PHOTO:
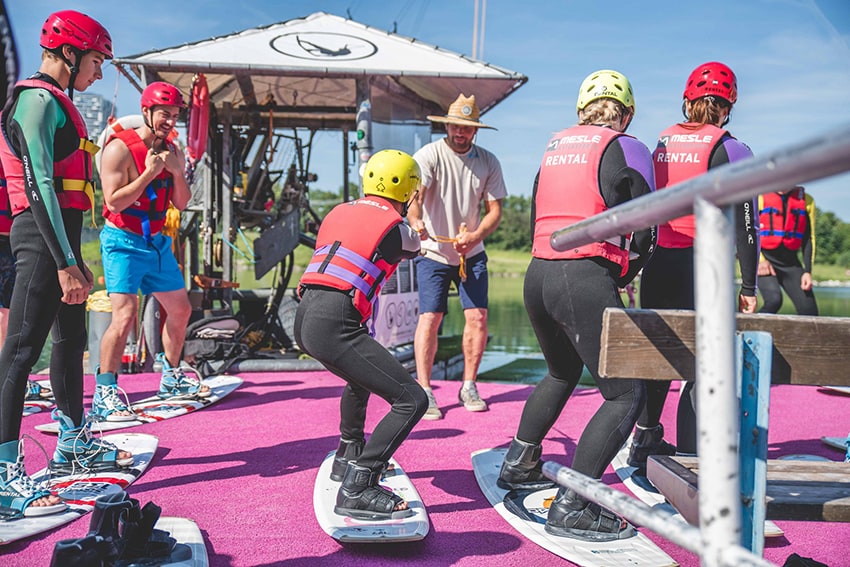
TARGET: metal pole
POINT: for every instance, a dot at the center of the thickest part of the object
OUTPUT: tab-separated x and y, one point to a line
660	521
717	403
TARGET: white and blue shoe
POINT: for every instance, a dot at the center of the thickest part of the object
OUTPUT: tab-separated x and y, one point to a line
17	489
175	383
107	404
79	451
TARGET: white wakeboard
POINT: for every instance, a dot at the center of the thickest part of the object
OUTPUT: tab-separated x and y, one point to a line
155	408
647	493
839	443
36	406
190	550
838	389
637	551
345	529
79	491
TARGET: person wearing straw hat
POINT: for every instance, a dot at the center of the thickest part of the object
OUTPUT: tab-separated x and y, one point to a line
460	181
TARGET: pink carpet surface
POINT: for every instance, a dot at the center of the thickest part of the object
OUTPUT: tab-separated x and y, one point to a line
244	470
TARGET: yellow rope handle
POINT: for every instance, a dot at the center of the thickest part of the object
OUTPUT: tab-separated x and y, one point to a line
445	240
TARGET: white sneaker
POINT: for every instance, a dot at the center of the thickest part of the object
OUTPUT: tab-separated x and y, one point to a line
433	412
471	400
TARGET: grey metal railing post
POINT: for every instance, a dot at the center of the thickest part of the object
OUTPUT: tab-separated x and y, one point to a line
717	418
720	500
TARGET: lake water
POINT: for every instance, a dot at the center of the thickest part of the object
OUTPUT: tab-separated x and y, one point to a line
513	351
513	342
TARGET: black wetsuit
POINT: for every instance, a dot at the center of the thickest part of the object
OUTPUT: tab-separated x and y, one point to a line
328	327
565	300
786	264
44	239
668	283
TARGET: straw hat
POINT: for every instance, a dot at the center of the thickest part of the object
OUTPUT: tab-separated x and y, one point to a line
463	112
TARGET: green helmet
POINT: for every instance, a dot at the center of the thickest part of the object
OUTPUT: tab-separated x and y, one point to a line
606	84
392	174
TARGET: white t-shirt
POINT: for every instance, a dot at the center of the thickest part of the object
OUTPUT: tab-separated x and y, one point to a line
454	188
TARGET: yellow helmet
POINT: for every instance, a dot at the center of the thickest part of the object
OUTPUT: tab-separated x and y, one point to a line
392	174
605	84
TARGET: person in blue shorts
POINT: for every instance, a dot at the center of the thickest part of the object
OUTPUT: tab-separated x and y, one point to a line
460	205
142	174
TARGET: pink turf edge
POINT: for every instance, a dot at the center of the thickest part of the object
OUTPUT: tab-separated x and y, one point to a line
244	470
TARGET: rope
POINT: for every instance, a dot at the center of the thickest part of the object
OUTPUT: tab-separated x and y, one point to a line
448	240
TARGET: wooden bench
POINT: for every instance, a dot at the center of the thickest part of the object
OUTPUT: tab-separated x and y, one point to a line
660	345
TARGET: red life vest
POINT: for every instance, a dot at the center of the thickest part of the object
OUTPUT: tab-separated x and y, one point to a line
345	250
682	153
146	216
5	206
568	192
72	175
783	219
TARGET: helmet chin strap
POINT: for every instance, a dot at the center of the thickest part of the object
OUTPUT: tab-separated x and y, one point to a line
72	67
153	130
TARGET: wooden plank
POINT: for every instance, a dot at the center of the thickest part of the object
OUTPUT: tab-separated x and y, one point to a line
796	490
660	345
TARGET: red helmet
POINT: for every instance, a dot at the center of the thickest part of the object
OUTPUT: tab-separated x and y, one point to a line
712	79
160	93
75	29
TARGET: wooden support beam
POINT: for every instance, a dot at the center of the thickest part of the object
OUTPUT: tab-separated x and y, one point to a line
796	490
660	345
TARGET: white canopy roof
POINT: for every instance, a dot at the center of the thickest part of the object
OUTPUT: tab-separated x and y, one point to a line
308	69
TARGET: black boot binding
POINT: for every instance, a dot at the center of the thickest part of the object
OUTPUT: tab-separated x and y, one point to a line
121	535
646	442
521	469
347	452
570	515
360	497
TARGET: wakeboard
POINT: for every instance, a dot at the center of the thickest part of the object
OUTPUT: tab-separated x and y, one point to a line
644	490
155	408
526	511
36	406
839	443
79	491
350	530
190	550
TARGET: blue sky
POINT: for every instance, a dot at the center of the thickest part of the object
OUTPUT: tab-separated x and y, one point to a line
792	59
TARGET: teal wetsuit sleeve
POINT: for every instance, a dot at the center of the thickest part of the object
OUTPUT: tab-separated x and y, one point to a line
32	130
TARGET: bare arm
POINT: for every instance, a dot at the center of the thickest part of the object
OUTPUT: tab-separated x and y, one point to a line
122	186
414	216
488	225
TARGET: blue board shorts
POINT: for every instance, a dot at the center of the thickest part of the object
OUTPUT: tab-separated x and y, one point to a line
130	264
434	279
7	272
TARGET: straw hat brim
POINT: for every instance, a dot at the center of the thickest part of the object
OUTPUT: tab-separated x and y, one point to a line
459	121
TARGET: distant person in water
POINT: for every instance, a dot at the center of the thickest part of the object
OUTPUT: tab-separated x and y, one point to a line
358	247
786	229
586	169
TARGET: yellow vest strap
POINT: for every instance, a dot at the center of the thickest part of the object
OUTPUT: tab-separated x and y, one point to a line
89	146
86	187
